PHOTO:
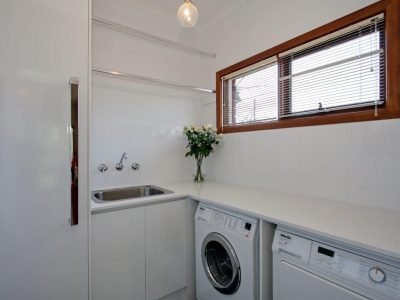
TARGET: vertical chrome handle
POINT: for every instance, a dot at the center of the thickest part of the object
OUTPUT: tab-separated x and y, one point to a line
74	84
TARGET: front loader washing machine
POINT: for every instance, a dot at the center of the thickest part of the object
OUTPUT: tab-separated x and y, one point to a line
226	255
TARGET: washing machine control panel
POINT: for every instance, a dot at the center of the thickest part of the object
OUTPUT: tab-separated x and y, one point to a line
234	224
292	246
355	269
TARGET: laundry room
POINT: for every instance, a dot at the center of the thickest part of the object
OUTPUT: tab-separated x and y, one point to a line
200	150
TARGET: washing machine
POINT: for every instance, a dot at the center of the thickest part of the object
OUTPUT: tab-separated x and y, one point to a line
226	255
306	267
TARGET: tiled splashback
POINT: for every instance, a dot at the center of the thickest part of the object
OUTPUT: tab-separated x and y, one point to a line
358	163
144	121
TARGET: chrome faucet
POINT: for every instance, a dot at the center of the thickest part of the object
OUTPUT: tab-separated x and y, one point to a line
120	165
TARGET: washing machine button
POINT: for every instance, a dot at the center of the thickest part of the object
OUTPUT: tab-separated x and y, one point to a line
377	275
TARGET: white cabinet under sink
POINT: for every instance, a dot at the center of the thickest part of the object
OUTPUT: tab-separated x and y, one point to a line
118	255
166	249
140	253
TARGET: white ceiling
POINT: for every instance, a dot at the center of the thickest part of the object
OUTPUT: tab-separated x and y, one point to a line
210	11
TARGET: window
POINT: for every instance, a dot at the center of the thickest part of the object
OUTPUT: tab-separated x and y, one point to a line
344	70
251	95
338	75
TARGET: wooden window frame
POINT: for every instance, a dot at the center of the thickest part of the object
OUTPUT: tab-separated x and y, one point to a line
391	109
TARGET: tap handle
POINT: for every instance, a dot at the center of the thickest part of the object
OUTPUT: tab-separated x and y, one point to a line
102	168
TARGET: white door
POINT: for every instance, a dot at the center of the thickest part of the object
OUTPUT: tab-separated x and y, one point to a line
295	283
166	249
42	44
118	255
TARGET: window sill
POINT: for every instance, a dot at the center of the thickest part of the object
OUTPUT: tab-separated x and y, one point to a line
315	120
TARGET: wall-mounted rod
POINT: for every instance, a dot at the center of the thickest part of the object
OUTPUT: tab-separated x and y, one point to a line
151	80
151	37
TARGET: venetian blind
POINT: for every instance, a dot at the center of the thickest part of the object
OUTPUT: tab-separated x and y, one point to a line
250	95
343	70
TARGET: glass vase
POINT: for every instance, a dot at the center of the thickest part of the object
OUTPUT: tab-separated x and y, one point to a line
199	177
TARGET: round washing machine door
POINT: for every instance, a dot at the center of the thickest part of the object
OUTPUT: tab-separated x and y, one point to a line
220	263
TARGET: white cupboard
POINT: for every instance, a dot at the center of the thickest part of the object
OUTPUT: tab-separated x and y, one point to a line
166	249
140	253
43	44
118	255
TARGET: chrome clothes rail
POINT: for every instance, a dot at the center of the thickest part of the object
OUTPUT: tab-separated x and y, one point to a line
151	80
150	37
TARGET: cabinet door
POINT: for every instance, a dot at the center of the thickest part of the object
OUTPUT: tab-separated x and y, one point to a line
118	255
166	249
43	43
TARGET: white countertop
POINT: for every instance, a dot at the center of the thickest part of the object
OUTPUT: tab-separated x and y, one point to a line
374	229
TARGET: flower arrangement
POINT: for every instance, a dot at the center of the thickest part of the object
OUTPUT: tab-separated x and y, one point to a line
200	144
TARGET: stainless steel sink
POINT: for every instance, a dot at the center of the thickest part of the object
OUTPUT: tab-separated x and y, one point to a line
128	193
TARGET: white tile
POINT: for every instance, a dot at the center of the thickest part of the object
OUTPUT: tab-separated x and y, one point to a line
358	162
118	51
374	163
147	123
283	167
266	159
324	161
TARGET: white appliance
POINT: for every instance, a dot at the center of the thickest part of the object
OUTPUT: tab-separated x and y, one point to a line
43	226
306	267
226	255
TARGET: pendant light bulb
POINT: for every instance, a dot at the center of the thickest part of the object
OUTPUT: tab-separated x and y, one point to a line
188	14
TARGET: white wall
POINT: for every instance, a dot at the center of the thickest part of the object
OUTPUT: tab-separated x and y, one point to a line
354	162
143	120
357	163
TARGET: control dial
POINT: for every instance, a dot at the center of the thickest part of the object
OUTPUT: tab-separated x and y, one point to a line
377	275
